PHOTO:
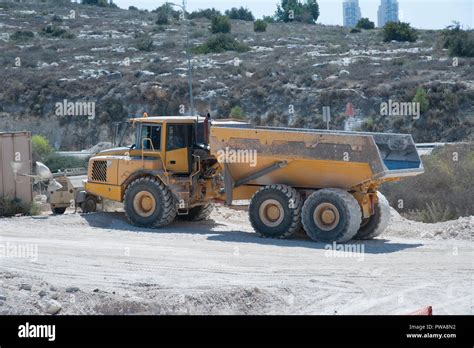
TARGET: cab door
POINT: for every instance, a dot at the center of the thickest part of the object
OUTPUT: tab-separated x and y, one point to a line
178	148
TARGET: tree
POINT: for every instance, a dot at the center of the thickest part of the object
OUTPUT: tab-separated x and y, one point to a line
313	8
208	13
40	148
294	10
166	10
365	23
268	19
422	98
102	3
220	24
237	112
260	26
162	19
240	13
459	42
399	31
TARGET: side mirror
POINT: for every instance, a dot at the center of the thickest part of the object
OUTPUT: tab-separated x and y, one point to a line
43	171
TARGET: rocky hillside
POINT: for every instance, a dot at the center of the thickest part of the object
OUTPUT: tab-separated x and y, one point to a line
127	64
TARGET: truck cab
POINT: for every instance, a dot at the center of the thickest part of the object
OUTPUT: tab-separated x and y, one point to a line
172	149
171	139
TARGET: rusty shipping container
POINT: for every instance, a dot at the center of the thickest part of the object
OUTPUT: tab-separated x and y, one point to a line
15	160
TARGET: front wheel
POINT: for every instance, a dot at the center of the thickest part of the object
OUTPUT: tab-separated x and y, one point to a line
331	215
149	203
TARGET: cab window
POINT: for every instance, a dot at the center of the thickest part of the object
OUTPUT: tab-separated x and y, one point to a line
150	135
178	136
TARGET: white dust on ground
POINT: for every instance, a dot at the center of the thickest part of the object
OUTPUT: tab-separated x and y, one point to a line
99	264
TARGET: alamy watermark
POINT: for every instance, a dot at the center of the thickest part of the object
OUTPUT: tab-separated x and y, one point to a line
229	155
28	330
345	251
394	108
67	108
19	250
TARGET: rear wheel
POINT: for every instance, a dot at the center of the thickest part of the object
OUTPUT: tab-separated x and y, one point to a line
149	203
375	225
331	215
275	211
58	211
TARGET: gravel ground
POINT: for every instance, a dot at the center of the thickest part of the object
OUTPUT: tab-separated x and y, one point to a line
98	264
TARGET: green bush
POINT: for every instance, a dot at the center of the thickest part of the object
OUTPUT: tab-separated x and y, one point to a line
294	10
167	10
443	192
422	98
162	19
208	13
220	43
56	162
35	209
40	148
53	31
355	30
268	19
399	31
57	19
237	112
144	43
220	24
132	8
11	207
365	23
101	3
8	207
432	213
240	13
22	35
260	26
459	42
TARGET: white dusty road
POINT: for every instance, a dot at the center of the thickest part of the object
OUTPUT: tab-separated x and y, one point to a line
98	264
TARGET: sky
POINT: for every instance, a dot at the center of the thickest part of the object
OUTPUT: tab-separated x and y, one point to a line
423	14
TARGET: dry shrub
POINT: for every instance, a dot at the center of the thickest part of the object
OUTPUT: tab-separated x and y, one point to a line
444	192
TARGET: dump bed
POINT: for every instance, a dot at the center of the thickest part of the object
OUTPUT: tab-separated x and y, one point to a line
313	158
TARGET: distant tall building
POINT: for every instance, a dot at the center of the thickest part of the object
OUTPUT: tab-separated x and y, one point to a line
351	12
388	12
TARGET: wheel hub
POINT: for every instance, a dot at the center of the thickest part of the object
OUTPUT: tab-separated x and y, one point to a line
326	216
271	213
144	203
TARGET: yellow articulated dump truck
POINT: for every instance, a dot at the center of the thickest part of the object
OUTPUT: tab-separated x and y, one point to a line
323	182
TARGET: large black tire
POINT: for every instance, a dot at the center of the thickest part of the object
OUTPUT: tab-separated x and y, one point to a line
375	225
58	211
149	203
275	211
331	215
198	213
89	205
